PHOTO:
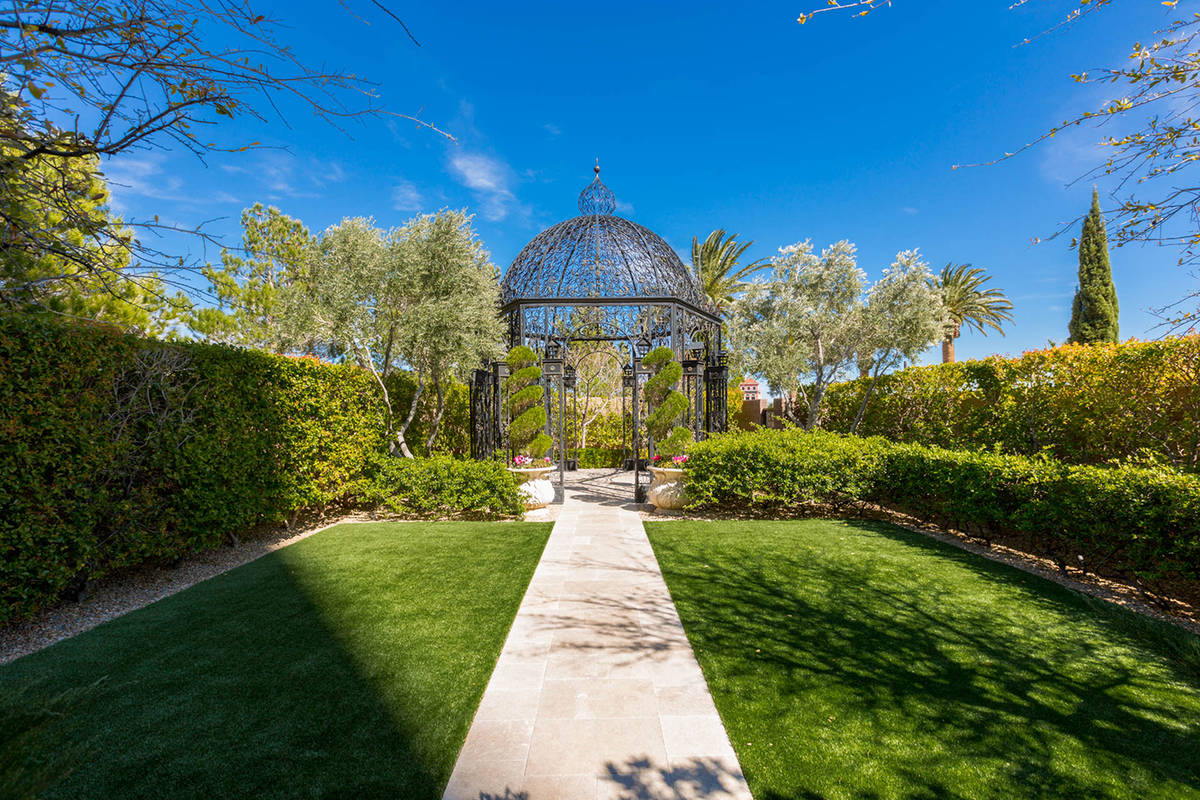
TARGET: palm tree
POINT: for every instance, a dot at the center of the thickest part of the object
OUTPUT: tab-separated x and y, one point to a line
715	264
968	303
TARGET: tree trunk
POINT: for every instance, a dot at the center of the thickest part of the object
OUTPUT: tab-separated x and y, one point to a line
401	441
387	352
387	400
948	350
437	419
814	406
862	407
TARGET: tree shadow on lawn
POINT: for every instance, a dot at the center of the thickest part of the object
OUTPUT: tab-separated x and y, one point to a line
268	681
870	661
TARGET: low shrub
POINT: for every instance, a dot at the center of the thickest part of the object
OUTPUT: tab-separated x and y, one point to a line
440	486
1133	522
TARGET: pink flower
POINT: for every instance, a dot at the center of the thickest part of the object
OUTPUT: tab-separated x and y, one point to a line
679	460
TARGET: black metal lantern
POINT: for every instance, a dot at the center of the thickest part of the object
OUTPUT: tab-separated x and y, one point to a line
568	377
641	348
627	376
552	364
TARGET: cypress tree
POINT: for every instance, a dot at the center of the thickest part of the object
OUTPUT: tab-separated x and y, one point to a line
1094	314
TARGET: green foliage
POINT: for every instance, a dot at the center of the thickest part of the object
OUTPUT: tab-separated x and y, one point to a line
1082	404
715	263
121	450
65	253
968	303
440	486
600	457
803	326
667	405
422	296
1095	314
250	290
1128	521
524	404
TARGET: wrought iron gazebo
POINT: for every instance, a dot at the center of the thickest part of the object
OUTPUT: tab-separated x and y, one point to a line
601	277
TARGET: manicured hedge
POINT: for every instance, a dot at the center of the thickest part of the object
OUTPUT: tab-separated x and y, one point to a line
1132	522
440	486
1085	404
117	450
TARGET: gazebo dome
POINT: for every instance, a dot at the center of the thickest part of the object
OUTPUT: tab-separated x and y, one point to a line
599	255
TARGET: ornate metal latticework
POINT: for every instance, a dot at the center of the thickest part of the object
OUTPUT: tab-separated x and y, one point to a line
599	276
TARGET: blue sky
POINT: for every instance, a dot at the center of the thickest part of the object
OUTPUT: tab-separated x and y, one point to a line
703	116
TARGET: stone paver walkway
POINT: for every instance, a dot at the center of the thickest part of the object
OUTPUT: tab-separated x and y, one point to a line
597	693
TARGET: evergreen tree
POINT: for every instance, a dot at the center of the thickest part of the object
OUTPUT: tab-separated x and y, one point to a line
1094	314
249	289
73	262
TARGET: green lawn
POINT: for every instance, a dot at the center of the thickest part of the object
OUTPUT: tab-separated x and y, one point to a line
859	660
346	665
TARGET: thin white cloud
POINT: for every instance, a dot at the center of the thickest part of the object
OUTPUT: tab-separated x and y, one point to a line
552	129
909	210
625	208
276	171
149	175
323	173
1071	156
490	179
142	175
406	197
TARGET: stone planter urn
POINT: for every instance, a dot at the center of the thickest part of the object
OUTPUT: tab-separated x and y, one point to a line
534	487
669	488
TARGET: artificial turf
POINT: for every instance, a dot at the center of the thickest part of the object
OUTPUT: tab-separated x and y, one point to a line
347	665
860	660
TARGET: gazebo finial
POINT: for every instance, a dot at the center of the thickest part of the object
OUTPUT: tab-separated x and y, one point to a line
596	198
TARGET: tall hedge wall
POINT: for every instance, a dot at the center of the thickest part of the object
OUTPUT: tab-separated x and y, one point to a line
1140	523
1084	404
117	450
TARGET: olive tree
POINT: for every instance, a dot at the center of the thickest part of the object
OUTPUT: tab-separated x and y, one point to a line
421	297
801	327
903	316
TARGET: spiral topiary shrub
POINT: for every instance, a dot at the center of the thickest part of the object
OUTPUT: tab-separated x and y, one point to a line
667	404
524	404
